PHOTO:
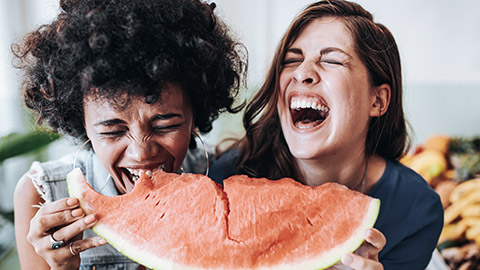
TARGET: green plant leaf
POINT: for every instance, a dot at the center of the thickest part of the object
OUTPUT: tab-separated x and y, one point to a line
16	144
8	216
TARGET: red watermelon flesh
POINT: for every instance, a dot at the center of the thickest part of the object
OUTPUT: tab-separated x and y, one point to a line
188	221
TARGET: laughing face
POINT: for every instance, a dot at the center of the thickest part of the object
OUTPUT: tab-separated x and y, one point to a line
325	100
140	137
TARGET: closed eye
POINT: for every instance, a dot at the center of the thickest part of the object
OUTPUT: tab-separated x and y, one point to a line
113	133
291	61
165	129
332	62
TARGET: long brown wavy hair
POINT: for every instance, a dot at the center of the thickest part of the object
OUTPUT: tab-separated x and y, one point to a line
264	151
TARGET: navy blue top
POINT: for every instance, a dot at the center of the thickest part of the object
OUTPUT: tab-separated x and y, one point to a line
411	214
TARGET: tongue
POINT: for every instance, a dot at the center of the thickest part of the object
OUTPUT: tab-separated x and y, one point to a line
307	118
307	123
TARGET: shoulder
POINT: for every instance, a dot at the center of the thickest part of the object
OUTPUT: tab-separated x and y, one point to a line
411	215
416	196
224	166
25	193
407	194
49	177
401	183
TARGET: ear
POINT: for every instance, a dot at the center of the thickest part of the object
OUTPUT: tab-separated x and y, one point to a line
381	100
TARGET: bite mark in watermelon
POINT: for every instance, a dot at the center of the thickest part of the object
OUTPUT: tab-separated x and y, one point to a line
188	221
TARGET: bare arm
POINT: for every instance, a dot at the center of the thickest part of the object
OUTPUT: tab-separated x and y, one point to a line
25	197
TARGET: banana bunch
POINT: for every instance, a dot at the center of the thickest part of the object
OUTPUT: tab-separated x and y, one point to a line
447	163
462	216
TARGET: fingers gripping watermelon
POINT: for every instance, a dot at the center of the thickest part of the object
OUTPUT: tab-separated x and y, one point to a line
189	222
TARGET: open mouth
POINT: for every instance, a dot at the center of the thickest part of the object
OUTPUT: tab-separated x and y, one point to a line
134	174
307	112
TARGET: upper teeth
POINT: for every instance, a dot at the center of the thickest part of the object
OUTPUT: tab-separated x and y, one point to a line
138	172
303	102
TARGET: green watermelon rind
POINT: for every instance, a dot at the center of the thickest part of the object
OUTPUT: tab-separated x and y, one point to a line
352	244
75	188
143	257
152	261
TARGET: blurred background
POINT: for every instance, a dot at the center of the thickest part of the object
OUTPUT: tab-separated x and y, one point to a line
438	42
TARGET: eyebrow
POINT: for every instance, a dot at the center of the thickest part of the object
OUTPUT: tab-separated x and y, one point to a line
322	51
334	49
294	50
165	116
116	121
110	122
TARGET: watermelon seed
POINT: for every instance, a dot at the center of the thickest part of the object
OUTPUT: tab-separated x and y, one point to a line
146	197
309	221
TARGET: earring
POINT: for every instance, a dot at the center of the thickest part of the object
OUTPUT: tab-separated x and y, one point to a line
78	152
205	151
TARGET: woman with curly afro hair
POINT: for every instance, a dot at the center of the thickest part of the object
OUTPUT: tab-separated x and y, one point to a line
132	79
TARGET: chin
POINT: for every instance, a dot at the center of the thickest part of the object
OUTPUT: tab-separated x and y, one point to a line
304	153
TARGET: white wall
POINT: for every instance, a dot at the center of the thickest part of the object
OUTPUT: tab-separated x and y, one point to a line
16	18
439	43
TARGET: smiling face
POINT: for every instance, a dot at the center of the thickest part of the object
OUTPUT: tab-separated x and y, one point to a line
139	136
325	100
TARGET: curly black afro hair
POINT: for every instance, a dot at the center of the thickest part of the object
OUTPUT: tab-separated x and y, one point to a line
107	46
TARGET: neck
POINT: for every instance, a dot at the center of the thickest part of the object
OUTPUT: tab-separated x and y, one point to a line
351	171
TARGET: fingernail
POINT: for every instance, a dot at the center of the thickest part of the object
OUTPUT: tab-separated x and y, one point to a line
102	241
72	201
368	233
90	219
347	259
77	212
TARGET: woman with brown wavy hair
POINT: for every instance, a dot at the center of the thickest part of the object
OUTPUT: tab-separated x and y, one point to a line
330	109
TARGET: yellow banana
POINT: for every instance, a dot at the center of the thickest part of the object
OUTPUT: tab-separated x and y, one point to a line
454	210
464	188
472	232
452	231
472	210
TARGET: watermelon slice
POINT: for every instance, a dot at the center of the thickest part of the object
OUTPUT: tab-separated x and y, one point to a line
188	221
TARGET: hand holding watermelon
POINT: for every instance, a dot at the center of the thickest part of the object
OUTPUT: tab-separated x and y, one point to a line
56	233
366	256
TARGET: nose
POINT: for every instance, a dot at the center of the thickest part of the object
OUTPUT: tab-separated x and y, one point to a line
141	150
306	73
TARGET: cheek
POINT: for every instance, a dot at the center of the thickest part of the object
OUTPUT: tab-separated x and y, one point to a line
177	145
283	83
107	152
346	94
282	104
